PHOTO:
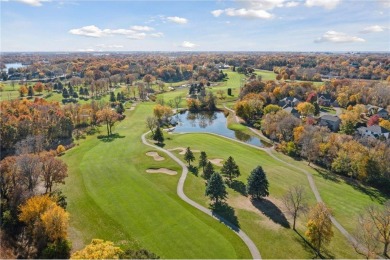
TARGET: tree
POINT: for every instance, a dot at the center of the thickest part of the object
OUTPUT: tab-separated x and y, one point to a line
158	135
53	171
148	79
342	99
367	237
230	169
151	123
295	202
189	156
55	223
319	226
30	91
108	116
215	188
112	97
208	170
38	87
374	120
98	249
271	108
381	220
65	93
257	185
317	108
120	109
60	149
203	160
23	91
177	100
306	108
385	124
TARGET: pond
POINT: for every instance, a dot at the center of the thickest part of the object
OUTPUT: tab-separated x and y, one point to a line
15	65
215	122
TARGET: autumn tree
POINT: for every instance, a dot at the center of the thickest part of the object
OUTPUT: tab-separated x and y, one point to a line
189	156
148	79
60	149
203	160
98	249
295	202
109	117
381	220
230	169
271	108
257	185
367	237
306	108
23	91
177	101
342	99
38	87
319	226
151	123
53	171
215	188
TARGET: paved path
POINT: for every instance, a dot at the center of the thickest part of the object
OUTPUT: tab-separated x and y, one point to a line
309	178
252	247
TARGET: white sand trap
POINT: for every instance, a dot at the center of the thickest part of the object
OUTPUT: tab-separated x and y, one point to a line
183	150
132	108
162	170
217	162
155	156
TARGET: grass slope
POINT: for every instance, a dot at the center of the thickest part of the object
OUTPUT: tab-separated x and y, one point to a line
111	197
266	225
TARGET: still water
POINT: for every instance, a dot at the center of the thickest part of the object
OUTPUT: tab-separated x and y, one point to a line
210	122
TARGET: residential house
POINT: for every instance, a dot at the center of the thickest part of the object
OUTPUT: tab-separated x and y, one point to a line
292	111
324	100
375	110
374	131
289	102
332	122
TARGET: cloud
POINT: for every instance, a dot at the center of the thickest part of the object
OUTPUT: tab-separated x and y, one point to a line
29	2
384	3
112	46
327	4
188	45
157	35
374	29
264	4
86	50
176	19
291	4
93	31
338	37
142	28
243	12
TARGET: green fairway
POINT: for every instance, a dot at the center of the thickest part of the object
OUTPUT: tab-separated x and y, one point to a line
272	239
110	196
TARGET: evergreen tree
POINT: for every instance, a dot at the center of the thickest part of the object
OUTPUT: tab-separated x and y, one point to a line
158	135
119	97
317	109
60	86
189	156
71	90
257	185
203	160
215	188
230	169
86	93
112	97
30	91
208	171
75	95
65	93
120	109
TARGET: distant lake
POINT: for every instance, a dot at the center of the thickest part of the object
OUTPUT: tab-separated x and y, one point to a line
210	122
15	65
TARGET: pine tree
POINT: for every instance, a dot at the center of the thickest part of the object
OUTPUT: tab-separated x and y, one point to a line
208	171
30	91
65	93
215	188
203	160
230	169
158	135
112	97
120	109
257	185
189	156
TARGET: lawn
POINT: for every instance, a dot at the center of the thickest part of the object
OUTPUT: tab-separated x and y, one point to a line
110	196
267	225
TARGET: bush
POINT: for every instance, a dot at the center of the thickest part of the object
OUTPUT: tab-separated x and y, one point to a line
60	149
58	250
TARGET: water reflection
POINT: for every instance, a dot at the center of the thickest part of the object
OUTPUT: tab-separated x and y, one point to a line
210	122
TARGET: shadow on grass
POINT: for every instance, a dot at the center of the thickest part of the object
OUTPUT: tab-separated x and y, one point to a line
373	193
105	138
327	175
194	170
225	214
270	210
239	186
160	145
325	254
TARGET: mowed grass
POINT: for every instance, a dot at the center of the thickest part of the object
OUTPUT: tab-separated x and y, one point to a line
110	196
266	227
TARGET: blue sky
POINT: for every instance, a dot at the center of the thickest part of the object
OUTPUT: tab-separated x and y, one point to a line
258	25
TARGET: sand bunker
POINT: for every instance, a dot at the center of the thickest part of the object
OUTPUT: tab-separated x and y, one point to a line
183	150
155	156
162	170
132	108
217	162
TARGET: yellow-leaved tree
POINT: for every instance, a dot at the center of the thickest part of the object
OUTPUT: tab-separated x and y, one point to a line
319	226
98	249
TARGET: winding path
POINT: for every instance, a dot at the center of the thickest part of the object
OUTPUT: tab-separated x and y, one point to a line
309	178
180	186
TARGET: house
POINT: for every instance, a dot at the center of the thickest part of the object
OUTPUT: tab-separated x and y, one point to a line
374	131
375	110
332	122
292	111
324	100
289	102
